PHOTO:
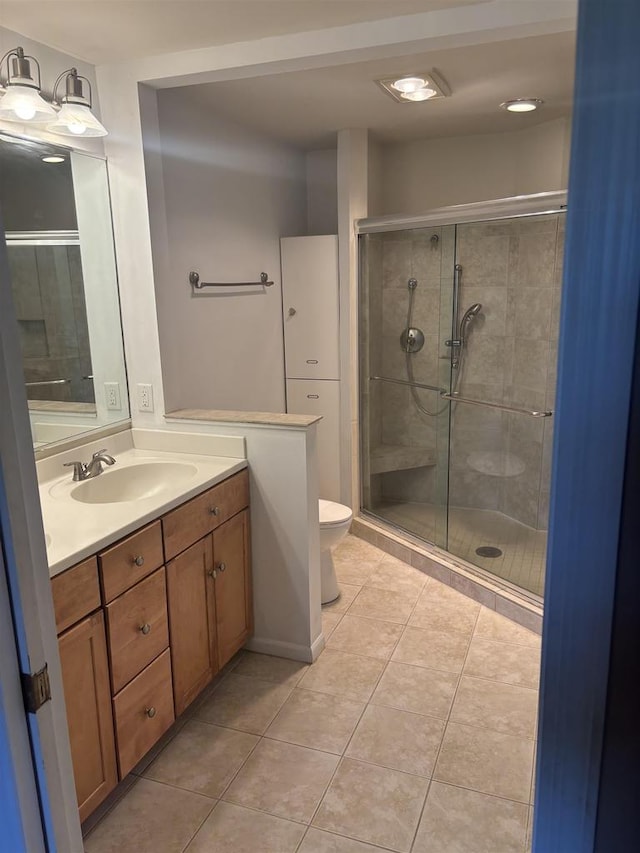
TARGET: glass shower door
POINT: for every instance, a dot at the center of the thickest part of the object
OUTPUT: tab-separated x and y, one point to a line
406	293
500	458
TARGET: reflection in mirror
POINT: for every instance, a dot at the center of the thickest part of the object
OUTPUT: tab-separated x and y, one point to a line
57	220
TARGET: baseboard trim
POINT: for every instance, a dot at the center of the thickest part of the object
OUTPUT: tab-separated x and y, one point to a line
292	651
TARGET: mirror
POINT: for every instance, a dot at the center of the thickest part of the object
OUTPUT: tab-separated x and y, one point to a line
57	220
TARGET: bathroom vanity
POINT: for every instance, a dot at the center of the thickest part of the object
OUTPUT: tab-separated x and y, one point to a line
145	623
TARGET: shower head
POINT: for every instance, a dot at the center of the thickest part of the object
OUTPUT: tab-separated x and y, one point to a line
470	314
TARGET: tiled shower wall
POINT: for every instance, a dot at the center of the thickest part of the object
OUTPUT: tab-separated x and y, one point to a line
498	461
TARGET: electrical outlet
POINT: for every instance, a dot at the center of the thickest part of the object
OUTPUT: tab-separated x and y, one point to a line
145	398
112	395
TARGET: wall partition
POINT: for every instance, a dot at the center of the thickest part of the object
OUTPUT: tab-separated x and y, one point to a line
459	315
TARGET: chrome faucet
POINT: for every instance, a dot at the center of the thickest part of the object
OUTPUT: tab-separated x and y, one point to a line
87	470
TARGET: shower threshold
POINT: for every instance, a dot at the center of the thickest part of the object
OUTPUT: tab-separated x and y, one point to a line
476	582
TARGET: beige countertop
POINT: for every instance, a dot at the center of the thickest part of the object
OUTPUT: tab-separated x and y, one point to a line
227	416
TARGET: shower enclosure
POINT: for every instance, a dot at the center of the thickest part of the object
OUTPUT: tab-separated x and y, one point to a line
459	316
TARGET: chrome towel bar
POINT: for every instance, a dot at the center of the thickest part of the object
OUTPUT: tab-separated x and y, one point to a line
532	413
194	279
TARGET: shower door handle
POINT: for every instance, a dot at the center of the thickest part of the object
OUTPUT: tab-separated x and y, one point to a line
532	413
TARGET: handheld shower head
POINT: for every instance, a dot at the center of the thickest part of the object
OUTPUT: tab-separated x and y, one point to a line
469	315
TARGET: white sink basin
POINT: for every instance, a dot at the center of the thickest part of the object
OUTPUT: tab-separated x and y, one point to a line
134	482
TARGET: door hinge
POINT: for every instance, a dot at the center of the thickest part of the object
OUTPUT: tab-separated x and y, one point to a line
36	689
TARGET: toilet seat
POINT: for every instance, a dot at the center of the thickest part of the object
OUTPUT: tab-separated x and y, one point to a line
333	514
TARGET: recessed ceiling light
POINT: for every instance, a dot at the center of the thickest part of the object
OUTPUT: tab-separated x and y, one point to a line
522	105
412	88
423	94
53	158
409	84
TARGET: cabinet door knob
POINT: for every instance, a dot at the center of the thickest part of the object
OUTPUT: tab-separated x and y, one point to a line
150	712
144	629
139	560
222	567
292	312
211	573
214	510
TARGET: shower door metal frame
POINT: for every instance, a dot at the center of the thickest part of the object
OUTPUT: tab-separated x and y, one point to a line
515	207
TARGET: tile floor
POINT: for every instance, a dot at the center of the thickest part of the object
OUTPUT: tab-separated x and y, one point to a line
414	732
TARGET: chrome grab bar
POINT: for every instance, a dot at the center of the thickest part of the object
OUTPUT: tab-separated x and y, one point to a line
48	382
194	279
531	413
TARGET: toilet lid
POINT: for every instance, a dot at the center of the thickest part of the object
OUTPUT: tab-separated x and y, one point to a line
333	513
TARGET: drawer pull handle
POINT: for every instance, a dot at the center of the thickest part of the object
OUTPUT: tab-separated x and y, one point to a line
139	560
313	396
150	712
222	567
145	629
214	510
312	361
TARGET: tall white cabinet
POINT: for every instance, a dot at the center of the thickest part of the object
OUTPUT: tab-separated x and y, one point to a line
310	294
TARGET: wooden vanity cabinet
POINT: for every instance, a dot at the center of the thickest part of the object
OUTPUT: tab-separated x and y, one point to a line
85	678
145	625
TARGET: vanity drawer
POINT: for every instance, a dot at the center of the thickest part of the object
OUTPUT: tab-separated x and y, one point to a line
138	628
132	559
199	516
76	593
143	712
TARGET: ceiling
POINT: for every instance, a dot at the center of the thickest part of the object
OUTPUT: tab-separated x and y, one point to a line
105	31
306	108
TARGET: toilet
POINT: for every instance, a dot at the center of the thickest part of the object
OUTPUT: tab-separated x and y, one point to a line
334	525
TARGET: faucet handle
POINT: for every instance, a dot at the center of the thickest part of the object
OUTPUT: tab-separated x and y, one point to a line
99	453
78	469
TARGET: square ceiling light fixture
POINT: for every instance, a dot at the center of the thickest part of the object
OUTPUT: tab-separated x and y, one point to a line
414	88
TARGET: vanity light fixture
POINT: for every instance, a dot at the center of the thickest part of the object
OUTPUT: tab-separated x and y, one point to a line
412	88
22	100
53	158
522	105
75	117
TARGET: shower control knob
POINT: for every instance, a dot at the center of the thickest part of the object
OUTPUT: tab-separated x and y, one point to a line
292	312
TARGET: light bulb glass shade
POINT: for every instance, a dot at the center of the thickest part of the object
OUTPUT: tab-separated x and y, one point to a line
409	84
419	95
522	105
76	120
23	103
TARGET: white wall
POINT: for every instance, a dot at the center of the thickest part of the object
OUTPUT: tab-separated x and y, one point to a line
322	191
230	195
426	173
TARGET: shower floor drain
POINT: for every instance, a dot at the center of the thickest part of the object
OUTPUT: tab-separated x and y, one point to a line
488	551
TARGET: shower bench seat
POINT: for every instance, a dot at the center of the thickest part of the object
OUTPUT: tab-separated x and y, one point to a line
400	457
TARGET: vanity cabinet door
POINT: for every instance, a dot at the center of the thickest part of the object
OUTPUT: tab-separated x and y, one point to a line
192	621
234	606
85	676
